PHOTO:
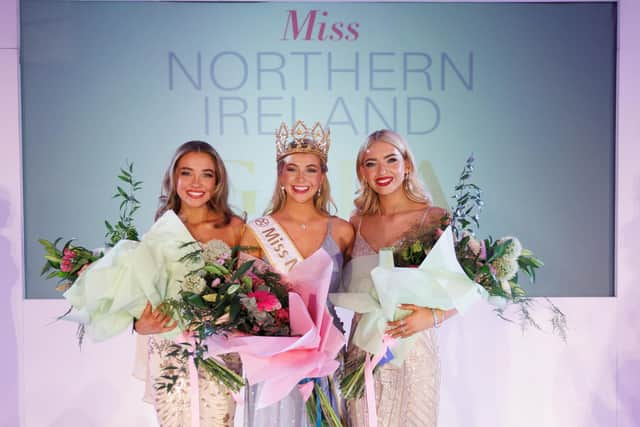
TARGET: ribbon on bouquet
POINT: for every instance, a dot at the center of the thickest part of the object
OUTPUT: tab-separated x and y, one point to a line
370	362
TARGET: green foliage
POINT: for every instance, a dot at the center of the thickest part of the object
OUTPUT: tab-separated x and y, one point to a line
124	228
469	203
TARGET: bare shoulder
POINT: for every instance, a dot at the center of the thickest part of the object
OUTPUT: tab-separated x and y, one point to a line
342	226
237	222
342	232
436	212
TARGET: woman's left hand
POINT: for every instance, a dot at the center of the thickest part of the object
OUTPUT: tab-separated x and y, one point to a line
419	320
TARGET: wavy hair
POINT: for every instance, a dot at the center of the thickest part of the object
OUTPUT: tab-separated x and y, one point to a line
219	201
367	201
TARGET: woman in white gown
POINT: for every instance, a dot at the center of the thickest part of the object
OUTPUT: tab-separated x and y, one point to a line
196	188
390	203
299	216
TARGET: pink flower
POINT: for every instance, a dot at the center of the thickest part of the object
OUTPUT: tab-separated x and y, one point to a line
65	266
67	256
483	250
266	301
215	282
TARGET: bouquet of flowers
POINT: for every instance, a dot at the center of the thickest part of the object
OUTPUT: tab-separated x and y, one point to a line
70	261
492	264
497	264
66	263
224	295
378	286
235	303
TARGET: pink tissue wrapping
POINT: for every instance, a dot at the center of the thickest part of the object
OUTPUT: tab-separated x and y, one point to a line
280	363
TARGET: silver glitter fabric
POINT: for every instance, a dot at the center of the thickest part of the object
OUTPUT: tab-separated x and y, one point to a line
217	406
408	395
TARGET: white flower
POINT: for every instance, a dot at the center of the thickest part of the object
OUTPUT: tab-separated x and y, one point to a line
194	283
474	246
215	251
513	248
505	267
506	286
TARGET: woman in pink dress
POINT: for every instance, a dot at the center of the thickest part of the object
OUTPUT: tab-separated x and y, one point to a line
297	224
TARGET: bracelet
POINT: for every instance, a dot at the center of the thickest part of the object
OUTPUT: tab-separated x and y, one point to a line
436	323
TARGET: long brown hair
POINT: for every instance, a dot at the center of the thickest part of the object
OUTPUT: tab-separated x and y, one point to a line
367	201
219	201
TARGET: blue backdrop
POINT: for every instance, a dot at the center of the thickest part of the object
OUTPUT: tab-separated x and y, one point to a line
529	88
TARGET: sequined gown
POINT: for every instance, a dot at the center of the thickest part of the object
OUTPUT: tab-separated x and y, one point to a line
173	409
408	395
291	411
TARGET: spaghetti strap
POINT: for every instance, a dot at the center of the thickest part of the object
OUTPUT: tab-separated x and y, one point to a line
360	224
424	215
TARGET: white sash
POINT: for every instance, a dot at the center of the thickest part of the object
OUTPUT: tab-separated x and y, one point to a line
276	244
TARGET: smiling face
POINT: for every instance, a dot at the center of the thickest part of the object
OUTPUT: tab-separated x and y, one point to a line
195	179
383	168
301	176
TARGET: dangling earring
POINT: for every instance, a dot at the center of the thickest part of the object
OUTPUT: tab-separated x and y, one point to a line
283	193
405	183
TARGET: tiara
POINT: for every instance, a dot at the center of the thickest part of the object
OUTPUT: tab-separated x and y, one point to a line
302	140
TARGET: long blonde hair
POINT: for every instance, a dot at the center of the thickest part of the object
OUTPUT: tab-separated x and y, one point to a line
219	201
321	200
367	201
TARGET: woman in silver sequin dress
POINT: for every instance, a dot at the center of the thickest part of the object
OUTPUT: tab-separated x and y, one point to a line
300	206
390	202
196	187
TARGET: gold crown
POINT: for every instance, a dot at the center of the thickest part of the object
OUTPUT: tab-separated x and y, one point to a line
302	140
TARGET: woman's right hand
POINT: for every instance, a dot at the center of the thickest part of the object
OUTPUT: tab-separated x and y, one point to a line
153	321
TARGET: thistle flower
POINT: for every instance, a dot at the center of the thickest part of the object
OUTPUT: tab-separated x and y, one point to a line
505	268
194	283
215	252
513	248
